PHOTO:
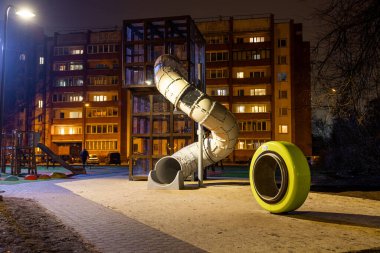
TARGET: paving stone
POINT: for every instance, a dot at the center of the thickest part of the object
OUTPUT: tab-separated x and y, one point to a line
107	230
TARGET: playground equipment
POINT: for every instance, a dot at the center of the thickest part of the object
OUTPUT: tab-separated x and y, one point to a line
279	173
19	149
56	158
279	176
171	82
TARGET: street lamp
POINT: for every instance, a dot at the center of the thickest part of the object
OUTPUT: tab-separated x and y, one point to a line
24	14
86	105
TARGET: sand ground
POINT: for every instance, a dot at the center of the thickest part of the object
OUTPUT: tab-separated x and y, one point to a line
224	217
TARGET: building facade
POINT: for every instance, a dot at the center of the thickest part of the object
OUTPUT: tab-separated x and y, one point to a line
155	128
260	70
80	103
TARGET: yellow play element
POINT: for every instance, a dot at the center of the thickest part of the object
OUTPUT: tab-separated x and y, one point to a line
279	176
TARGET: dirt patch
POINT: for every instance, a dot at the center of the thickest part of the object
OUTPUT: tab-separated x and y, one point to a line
27	227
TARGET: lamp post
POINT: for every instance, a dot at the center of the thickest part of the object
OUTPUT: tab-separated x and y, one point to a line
25	14
85	107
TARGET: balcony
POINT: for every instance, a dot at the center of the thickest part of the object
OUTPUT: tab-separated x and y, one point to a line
67	121
237	99
67	104
253	80
60	89
253	116
216	81
70	57
217	64
255	134
68	72
221	99
249	63
110	103
211	47
66	137
248	46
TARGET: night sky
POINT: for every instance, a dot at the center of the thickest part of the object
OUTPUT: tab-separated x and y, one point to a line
71	15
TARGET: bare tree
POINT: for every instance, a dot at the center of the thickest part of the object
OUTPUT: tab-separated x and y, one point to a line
348	55
347	79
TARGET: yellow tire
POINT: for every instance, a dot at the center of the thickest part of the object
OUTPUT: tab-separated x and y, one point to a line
279	176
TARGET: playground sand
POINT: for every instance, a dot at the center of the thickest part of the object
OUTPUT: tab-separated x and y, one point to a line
224	217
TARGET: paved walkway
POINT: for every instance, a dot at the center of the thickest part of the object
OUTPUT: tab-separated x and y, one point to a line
107	230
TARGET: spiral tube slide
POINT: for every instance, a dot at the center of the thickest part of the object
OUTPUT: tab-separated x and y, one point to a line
172	84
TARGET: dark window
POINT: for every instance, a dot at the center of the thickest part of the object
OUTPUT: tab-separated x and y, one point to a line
283	94
281	43
283	111
281	60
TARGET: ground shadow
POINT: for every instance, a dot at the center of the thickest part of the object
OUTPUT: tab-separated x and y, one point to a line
359	220
226	183
194	186
219	183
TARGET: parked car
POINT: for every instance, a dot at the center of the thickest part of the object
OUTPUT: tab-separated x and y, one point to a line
93	159
113	158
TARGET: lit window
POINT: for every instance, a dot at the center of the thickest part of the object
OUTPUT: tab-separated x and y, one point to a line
100	98
40	103
283	129
61	82
22	57
259	108
221	92
61	130
75	98
76	66
256	39
75	115
240	75
258	92
77	51
42	60
241	145
241	109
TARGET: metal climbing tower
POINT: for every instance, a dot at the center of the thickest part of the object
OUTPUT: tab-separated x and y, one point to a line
18	149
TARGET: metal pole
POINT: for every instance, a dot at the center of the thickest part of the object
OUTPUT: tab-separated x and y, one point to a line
2	83
200	157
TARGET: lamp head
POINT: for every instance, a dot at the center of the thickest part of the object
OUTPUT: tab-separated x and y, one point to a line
25	13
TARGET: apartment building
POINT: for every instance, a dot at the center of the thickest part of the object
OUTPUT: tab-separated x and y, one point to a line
260	70
155	128
80	103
